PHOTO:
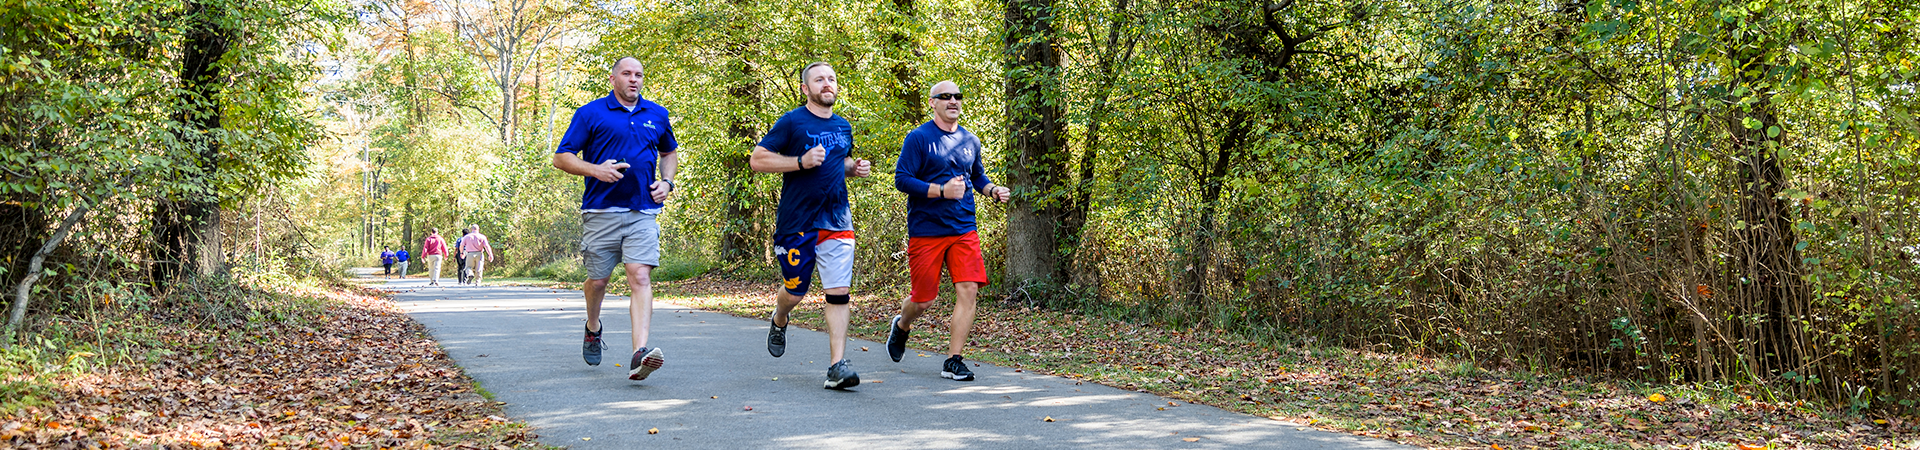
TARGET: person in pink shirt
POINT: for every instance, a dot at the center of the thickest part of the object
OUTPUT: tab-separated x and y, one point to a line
435	250
474	246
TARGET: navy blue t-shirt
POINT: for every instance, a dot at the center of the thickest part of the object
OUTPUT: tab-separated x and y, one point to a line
816	198
930	156
603	129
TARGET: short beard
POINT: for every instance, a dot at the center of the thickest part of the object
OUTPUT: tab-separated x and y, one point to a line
622	95
818	99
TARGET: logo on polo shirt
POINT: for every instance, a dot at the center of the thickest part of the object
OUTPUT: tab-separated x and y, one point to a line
649	125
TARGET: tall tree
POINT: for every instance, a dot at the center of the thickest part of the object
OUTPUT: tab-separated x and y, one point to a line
1767	257
745	86
187	228
506	35
1036	143
903	45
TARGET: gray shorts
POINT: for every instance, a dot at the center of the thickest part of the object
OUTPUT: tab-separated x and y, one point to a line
611	239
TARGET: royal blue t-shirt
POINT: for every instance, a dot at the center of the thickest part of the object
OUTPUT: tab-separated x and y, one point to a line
386	257
603	129
930	156
812	199
401	255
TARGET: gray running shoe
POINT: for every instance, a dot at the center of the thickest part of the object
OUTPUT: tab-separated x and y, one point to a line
776	339
896	340
842	376
645	361
590	350
956	369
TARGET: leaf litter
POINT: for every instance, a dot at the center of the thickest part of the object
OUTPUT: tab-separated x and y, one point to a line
359	374
1411	399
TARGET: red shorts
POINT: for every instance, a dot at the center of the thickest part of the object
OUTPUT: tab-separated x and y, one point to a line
961	255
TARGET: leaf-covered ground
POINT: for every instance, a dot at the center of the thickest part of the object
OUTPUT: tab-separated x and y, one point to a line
1427	402
337	369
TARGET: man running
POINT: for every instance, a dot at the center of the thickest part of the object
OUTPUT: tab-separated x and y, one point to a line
812	149
939	168
629	136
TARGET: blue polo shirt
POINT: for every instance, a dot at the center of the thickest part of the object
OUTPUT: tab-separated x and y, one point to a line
603	129
930	156
812	199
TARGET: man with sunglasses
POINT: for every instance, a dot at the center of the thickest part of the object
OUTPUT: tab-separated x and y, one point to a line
812	149
939	169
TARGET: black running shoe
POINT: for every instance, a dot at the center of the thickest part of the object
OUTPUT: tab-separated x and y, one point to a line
842	376
896	340
776	339
590	349
645	361
956	369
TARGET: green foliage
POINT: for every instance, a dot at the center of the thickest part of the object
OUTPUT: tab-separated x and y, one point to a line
1590	186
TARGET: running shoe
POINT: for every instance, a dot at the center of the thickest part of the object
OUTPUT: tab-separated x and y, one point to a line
776	339
590	349
956	369
645	361
842	376
896	340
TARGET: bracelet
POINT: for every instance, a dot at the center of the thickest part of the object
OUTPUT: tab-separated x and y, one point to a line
800	162
670	186
943	190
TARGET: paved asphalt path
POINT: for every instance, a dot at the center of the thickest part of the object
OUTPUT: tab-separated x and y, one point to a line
523	345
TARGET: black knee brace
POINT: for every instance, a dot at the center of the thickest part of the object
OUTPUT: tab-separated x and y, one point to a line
841	299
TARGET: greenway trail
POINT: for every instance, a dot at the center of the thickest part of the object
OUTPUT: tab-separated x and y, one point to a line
720	389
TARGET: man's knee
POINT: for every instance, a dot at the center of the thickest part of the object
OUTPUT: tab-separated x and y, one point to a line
966	289
639	274
597	284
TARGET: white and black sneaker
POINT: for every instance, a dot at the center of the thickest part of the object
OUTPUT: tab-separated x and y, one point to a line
842	376
645	361
956	369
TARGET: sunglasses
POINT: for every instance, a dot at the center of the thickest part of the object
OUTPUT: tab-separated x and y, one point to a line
948	96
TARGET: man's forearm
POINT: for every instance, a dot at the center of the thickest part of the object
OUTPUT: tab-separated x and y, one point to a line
571	163
669	165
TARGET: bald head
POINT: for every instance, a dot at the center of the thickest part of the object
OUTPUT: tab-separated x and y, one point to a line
625	78
943	86
946	112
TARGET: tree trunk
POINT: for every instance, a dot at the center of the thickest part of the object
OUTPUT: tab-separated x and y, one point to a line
1036	148
1212	186
1768	270
906	49
187	229
739	236
1083	264
406	232
24	290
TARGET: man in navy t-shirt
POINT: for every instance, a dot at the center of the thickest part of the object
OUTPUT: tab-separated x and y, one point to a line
812	149
939	168
615	143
